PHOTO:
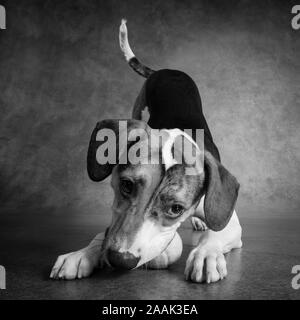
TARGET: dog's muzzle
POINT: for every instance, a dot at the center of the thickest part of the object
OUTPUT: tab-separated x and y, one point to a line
124	260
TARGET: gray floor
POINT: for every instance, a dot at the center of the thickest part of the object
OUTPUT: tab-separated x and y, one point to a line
260	270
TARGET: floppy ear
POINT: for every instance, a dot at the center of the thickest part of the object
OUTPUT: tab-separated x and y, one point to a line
96	171
221	193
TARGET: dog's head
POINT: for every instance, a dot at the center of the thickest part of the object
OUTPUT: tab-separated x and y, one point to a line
155	193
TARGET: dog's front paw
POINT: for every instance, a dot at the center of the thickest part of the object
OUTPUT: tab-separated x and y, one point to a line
79	264
206	264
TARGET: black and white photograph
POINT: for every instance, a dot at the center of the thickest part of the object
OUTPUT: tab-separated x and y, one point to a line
149	150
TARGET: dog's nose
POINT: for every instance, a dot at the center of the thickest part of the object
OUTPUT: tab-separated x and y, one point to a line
124	260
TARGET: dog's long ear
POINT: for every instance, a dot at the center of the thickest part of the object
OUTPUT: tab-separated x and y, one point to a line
221	193
96	171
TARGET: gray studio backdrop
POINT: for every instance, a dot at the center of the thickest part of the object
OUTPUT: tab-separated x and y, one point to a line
61	71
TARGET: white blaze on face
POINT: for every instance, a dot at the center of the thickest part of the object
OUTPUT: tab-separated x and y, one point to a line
168	158
150	241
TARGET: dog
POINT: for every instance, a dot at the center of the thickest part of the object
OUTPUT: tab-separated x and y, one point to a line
152	200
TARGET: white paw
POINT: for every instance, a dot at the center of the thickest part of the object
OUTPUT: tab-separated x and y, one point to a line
198	224
206	264
79	264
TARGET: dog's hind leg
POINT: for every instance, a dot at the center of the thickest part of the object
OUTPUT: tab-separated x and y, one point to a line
170	255
140	109
198	224
198	218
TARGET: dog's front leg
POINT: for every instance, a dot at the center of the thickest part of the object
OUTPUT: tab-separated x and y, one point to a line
206	262
170	255
81	263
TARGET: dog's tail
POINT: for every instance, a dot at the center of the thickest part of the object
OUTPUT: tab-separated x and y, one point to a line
129	55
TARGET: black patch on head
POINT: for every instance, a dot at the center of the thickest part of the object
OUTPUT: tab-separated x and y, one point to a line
177	181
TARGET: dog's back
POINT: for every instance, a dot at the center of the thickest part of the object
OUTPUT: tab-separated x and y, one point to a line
172	97
174	101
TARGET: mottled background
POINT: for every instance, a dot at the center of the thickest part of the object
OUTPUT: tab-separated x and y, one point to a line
61	71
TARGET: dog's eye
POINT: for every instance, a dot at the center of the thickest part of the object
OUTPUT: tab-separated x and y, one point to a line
176	210
126	186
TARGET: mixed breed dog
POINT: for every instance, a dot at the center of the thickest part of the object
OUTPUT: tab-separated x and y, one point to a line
152	200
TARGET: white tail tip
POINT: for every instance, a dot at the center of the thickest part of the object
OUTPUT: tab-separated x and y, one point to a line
123	38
